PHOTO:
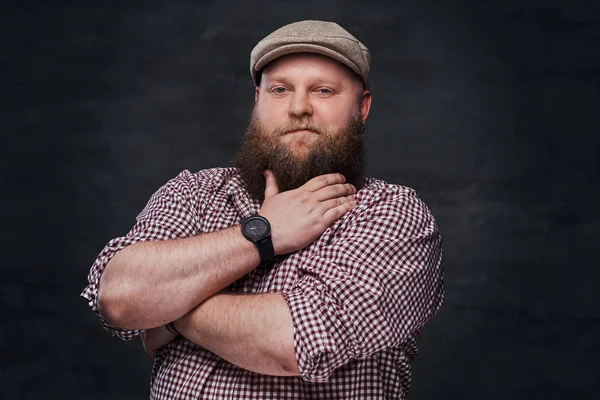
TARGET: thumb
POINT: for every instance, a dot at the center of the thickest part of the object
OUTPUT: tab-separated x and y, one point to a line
271	188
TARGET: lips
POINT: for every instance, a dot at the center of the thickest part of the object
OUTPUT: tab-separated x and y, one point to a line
301	130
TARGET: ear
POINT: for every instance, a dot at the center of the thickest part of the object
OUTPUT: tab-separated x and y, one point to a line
365	105
256	93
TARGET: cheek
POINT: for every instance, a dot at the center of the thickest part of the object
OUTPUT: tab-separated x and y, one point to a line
271	112
332	117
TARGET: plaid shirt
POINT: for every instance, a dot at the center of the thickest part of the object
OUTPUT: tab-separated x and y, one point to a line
359	295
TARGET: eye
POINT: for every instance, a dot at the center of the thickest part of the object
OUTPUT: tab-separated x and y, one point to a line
325	92
278	90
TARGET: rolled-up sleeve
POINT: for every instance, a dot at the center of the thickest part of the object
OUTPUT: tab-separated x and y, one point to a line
376	284
170	213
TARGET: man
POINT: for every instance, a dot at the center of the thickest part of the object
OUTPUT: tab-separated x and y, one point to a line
293	275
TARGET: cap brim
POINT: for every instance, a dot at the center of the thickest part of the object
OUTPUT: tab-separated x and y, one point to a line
303	48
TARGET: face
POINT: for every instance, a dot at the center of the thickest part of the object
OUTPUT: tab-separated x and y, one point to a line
306	122
303	95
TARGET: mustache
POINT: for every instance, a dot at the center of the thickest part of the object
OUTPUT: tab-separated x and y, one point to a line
300	126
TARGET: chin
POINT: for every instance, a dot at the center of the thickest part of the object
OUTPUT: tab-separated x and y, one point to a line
301	145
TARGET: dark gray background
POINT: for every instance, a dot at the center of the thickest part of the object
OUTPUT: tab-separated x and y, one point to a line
489	109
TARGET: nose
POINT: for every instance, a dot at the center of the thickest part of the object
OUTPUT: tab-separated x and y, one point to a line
300	105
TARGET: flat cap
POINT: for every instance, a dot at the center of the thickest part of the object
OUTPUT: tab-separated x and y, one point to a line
311	36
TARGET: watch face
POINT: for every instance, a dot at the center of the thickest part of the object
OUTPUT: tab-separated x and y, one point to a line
256	228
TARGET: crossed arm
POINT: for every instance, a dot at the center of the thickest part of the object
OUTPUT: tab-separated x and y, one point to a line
255	332
155	282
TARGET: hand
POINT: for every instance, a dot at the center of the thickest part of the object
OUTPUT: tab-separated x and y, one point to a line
299	216
155	338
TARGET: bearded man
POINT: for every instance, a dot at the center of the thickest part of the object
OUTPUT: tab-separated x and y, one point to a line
294	274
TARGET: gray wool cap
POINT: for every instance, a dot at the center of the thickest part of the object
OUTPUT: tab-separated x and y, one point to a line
320	37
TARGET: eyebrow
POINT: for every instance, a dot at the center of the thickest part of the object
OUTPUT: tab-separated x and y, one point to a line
313	80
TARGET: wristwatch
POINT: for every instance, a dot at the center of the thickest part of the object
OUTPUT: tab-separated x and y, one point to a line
257	229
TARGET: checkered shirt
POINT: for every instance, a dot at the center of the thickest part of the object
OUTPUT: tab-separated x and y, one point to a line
359	295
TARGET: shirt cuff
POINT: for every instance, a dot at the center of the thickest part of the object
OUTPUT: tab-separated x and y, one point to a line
313	345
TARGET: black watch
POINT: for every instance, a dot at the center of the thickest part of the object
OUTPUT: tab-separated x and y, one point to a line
257	229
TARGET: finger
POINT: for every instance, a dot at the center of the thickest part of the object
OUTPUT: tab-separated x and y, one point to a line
329	204
338	212
271	187
333	191
321	181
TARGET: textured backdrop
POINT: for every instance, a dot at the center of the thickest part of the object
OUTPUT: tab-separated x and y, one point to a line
489	109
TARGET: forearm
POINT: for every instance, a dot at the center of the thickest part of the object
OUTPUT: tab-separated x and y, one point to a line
150	283
254	332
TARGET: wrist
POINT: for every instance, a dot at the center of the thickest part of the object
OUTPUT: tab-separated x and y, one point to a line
257	230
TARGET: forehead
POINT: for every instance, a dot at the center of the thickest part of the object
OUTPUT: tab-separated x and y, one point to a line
299	65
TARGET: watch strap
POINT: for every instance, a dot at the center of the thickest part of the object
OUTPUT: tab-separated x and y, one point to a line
265	250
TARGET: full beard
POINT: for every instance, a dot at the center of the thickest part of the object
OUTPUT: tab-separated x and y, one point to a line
342	152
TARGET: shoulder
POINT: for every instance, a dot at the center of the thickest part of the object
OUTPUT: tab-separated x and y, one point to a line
378	190
397	206
205	181
378	193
